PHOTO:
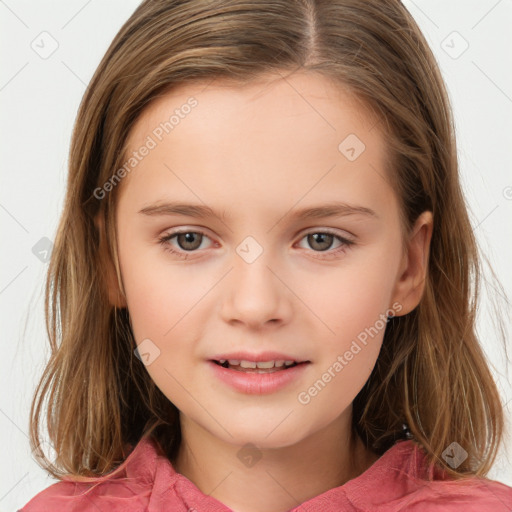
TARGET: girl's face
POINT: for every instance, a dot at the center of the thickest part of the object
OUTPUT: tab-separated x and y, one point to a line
294	252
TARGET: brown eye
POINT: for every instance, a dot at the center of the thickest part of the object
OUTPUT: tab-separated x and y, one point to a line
320	241
325	244
189	241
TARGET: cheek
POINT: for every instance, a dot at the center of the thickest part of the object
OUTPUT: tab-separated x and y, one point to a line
159	295
353	309
354	298
161	299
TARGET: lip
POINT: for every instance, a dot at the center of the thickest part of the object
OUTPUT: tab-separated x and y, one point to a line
257	358
258	383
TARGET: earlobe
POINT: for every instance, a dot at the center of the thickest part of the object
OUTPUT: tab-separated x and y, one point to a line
413	273
106	267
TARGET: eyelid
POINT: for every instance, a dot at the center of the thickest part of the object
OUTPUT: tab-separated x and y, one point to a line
346	235
186	229
345	241
168	235
331	231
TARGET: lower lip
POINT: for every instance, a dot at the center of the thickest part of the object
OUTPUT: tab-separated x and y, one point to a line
257	383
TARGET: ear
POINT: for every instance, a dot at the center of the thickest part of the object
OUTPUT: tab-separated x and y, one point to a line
107	268
413	271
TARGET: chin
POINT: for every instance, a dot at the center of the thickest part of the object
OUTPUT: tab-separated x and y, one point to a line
263	436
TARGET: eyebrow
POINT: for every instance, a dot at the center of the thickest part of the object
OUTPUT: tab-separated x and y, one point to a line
331	209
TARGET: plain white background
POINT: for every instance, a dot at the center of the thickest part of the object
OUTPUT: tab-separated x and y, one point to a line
40	94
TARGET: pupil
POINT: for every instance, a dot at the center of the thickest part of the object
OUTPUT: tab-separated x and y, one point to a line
319	238
188	238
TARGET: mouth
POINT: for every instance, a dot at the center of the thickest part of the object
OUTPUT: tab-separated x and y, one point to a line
258	373
270	366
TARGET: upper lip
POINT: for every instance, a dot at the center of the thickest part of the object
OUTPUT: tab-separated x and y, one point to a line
259	357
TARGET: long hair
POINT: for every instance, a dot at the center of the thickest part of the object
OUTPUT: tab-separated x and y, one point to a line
431	375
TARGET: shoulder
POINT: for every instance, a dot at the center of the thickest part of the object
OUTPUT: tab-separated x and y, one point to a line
133	486
400	480
469	495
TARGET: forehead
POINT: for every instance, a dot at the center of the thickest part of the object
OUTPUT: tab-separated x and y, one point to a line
280	133
270	101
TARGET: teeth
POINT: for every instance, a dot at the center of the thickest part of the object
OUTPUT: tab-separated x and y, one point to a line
264	365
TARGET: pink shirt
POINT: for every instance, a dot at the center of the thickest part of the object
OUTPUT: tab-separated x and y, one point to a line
393	483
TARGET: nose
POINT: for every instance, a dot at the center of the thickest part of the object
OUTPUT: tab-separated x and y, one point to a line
255	294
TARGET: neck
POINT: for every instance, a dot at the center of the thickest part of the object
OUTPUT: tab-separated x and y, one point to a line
283	477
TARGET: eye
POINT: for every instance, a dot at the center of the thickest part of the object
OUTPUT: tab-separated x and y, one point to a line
187	241
322	241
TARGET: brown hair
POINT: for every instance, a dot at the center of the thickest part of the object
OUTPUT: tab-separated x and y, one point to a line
431	374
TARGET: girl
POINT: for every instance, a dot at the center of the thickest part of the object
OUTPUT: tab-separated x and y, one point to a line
262	292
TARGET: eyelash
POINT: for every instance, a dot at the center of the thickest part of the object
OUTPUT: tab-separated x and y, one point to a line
346	243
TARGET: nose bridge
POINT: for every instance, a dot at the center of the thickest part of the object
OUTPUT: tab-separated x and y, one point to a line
255	294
